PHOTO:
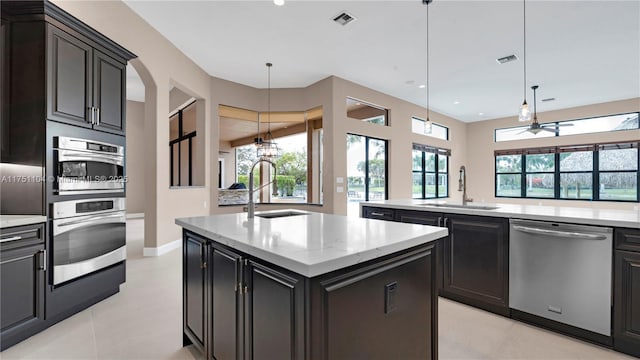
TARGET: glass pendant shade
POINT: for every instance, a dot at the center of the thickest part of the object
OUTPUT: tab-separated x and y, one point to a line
427	126
524	114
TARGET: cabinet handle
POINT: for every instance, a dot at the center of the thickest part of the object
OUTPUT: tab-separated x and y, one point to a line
446	222
13	238
97	116
90	108
43	260
439	221
377	214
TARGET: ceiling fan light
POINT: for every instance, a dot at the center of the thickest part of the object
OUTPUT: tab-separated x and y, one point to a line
524	114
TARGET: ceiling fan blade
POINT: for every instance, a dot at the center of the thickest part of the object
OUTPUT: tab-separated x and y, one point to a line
523	131
548	129
564	125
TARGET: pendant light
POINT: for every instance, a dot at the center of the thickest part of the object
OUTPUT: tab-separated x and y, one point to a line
524	114
427	124
267	148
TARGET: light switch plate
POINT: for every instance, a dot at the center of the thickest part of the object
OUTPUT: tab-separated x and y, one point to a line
339	189
339	180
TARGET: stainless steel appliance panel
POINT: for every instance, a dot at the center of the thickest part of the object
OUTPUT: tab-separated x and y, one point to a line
562	272
87	166
87	235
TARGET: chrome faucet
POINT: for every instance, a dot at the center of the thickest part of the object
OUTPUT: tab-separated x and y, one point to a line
462	185
251	206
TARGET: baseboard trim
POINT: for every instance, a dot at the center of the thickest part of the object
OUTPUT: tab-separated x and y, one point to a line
161	250
135	215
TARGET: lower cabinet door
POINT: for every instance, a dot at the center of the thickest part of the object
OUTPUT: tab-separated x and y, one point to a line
626	308
194	292
384	311
275	316
22	276
476	262
226	316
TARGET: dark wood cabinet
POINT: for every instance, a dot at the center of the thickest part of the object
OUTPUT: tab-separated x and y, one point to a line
85	87
377	213
227	308
22	284
626	292
384	310
476	261
472	262
69	78
431	219
275	313
194	290
236	306
61	70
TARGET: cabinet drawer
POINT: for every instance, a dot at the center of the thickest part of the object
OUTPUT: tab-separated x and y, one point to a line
377	213
627	239
19	236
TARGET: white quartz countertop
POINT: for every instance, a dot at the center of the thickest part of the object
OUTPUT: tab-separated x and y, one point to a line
311	244
18	220
575	215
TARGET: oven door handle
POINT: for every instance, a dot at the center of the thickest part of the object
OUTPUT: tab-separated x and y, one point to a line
72	155
93	220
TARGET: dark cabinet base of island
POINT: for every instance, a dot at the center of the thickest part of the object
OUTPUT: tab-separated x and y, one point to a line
237	306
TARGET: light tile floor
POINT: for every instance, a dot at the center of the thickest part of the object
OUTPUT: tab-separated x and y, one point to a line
144	320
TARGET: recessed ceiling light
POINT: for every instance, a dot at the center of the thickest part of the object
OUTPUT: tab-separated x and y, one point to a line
278	2
456	102
480	114
422	86
410	82
548	99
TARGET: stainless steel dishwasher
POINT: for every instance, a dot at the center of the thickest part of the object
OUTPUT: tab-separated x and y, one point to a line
562	272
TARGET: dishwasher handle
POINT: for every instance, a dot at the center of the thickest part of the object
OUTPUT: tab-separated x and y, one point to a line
557	233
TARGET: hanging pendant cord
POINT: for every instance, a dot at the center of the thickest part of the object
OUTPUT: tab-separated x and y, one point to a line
269	99
524	36
428	83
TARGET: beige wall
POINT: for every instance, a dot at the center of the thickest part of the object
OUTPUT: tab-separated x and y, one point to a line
398	133
160	65
134	158
481	146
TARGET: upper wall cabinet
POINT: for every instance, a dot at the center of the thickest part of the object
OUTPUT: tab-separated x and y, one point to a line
61	70
85	86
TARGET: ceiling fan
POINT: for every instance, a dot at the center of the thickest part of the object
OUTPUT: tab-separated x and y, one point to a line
535	126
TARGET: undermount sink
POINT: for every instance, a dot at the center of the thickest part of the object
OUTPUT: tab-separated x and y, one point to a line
279	214
468	206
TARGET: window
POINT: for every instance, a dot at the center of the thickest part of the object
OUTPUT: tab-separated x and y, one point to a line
362	111
418	126
618	172
430	172
607	172
366	168
182	141
619	122
298	136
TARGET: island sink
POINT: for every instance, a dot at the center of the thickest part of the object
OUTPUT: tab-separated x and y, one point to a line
279	214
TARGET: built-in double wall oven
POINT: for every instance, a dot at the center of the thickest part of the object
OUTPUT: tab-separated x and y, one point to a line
88	235
87	166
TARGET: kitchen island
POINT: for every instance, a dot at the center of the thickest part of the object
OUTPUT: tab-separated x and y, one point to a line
308	285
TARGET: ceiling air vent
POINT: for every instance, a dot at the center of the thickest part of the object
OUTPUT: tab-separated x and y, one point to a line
548	99
344	18
507	59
